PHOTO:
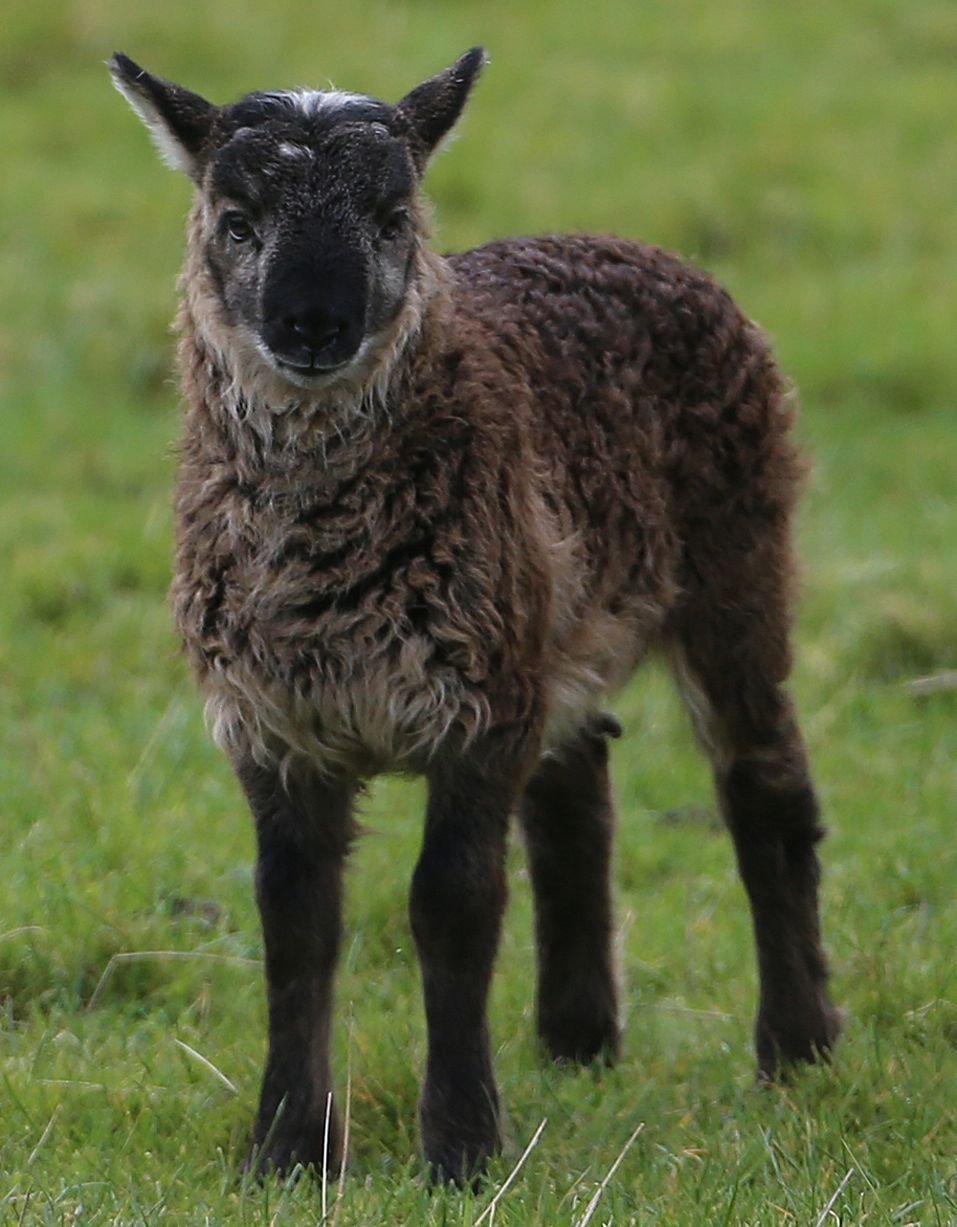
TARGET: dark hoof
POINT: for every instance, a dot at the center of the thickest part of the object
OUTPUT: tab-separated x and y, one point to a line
278	1152
464	1167
783	1045
581	1025
458	1172
281	1163
457	1150
583	1043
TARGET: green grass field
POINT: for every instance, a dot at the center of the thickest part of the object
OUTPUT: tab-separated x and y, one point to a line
806	155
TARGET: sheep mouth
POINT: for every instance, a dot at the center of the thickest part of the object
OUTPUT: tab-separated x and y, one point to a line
314	372
310	374
313	368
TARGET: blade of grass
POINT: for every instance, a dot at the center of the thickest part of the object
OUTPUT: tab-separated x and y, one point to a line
490	1208
208	1065
593	1204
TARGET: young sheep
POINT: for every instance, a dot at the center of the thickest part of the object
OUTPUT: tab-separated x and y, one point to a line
429	512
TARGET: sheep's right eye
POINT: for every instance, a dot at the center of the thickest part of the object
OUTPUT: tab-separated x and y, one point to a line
238	227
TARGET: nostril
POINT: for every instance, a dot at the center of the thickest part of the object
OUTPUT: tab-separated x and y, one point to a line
318	332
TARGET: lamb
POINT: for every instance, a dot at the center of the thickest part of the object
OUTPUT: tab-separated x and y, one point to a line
430	512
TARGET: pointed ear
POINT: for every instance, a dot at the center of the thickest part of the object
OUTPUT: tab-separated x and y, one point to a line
178	121
427	113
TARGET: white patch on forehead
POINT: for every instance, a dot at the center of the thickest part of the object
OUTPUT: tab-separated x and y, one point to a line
289	150
314	101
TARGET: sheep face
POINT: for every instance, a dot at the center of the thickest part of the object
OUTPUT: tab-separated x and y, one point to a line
308	233
308	225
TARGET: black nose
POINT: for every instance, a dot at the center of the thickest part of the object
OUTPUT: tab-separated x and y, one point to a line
314	310
317	329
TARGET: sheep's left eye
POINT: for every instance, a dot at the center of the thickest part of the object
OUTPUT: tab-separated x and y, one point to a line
238	228
394	222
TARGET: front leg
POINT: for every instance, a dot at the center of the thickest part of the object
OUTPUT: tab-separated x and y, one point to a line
303	829
458	897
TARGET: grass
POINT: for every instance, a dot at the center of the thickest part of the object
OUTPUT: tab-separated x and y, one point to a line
805	155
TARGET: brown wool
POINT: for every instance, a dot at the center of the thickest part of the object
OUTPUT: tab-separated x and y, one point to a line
430	514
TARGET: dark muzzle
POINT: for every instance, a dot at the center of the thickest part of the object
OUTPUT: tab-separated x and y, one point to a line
314	314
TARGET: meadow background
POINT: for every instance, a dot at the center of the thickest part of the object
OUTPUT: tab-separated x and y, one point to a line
806	155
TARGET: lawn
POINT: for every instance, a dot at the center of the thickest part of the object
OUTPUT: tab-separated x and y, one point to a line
805	154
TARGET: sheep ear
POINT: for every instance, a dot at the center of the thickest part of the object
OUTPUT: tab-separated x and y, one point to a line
427	113
178	120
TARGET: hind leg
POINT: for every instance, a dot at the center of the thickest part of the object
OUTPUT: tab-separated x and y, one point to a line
731	667
568	821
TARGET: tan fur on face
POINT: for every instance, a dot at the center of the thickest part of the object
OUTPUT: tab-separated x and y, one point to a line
251	396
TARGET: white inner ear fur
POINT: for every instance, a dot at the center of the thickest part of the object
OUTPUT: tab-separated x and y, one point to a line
171	149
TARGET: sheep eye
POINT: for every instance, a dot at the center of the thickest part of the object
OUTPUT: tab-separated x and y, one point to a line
394	222
238	227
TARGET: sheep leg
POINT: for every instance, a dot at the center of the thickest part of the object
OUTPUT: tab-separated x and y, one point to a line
303	828
747	724
770	807
457	901
568	818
